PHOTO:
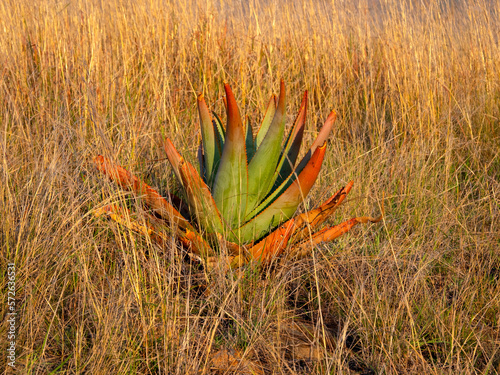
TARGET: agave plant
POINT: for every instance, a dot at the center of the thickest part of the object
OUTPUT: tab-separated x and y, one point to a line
247	189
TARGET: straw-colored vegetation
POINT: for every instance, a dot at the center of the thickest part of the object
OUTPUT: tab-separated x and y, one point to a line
417	90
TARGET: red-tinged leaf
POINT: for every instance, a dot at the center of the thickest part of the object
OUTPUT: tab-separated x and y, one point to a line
300	226
202	202
339	196
331	233
174	157
151	226
292	146
123	216
307	221
273	244
152	198
320	139
324	133
195	243
233	248
231	181
281	207
198	194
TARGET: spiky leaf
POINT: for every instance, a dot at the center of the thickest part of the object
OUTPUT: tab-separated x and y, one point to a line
231	180
266	121
249	141
219	129
127	180
275	211
197	192
262	167
320	139
292	146
211	146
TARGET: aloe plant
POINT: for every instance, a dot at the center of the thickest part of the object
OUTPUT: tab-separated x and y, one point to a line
247	188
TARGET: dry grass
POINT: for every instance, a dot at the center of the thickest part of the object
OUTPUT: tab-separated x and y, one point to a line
416	85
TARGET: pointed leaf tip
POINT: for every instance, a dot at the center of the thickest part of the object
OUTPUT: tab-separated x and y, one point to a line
211	146
127	180
320	139
325	130
266	121
262	167
234	129
292	145
231	180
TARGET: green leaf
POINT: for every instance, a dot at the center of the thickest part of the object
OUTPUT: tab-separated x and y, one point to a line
219	130
272	212
263	164
211	145
249	142
231	181
266	122
197	192
201	162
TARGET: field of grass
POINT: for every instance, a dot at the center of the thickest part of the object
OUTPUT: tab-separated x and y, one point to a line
416	85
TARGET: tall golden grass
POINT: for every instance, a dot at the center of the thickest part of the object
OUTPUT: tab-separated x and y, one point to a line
416	85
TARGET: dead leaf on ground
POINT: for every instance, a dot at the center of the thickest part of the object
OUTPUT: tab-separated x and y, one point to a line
231	360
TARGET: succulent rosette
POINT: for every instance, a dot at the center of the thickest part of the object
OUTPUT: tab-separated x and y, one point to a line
247	188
